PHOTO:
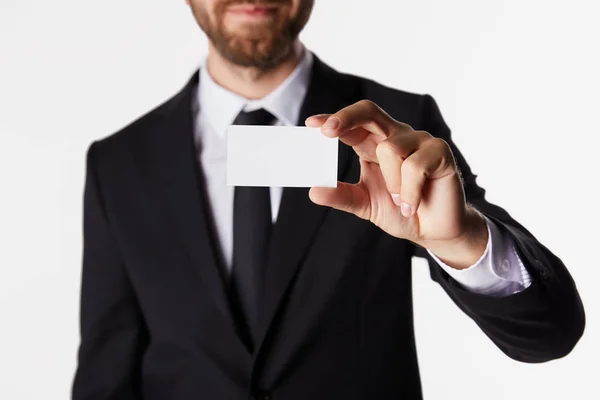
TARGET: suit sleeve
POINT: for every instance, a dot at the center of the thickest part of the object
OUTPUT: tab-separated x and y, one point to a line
111	326
538	324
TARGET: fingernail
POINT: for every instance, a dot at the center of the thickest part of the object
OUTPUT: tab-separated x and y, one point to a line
406	209
332	123
315	118
396	199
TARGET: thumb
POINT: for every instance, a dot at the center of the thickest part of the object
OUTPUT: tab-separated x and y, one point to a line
345	197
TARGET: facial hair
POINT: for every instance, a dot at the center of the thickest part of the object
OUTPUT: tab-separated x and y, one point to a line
265	46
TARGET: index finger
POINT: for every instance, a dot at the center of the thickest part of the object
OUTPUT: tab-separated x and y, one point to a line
364	114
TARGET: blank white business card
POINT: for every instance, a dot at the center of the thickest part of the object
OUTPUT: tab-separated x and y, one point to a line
284	156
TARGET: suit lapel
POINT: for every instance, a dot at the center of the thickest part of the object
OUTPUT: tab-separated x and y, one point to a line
298	218
172	159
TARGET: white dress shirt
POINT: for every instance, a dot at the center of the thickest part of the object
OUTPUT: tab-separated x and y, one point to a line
499	271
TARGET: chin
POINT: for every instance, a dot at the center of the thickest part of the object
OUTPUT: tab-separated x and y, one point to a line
253	49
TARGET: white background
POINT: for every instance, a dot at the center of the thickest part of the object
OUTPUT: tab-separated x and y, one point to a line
516	80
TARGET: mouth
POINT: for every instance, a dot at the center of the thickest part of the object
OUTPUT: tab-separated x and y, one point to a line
252	10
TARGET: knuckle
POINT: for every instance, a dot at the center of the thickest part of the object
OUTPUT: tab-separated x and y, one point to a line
410	166
442	148
413	167
426	135
386	149
404	127
368	105
440	144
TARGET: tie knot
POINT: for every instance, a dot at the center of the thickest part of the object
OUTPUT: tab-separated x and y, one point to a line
256	117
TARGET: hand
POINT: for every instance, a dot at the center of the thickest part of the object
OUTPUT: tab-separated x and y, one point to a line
409	186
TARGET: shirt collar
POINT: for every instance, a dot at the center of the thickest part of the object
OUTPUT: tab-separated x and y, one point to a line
220	106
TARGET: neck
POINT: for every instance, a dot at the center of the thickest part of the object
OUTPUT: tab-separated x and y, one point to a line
251	83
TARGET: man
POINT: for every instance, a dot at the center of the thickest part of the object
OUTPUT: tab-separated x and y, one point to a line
195	290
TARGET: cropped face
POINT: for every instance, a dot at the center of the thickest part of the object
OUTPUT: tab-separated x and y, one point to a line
252	33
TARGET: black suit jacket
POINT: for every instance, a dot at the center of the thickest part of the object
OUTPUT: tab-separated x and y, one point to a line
336	320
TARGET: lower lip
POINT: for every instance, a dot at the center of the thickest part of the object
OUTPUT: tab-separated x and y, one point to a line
253	11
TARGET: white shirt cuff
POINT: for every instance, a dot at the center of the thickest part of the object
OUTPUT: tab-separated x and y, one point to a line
499	272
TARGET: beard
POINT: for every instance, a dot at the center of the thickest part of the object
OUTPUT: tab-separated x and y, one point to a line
262	46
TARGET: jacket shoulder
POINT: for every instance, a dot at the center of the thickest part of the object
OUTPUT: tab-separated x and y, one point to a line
398	103
405	106
135	131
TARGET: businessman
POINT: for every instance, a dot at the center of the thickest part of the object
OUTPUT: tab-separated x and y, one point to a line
195	290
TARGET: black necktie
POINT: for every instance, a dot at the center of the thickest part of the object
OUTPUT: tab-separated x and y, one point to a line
252	223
